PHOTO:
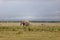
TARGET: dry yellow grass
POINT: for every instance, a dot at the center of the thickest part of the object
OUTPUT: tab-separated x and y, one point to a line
18	24
28	35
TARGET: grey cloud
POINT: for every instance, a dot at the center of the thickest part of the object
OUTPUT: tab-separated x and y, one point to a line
36	9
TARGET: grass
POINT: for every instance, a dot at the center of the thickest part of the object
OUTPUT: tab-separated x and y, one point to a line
32	32
30	36
31	28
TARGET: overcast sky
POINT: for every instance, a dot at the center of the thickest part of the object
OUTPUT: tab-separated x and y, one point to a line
30	9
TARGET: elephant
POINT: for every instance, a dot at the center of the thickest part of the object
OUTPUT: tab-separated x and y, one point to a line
25	23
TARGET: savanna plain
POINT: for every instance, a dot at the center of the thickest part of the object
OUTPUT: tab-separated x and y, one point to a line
35	31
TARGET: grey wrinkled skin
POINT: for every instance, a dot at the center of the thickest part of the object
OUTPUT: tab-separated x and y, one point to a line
25	23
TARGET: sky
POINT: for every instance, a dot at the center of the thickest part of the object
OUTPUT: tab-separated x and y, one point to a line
39	10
